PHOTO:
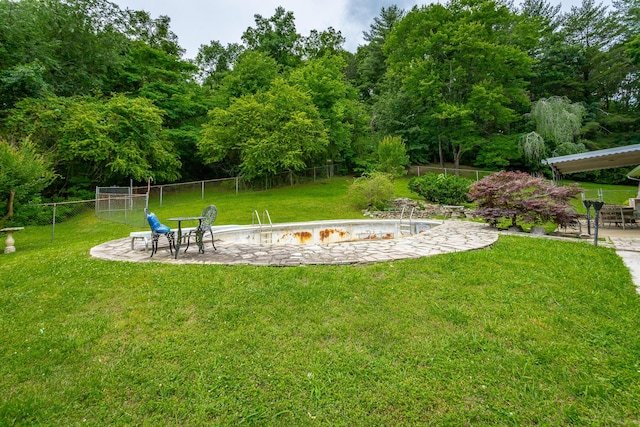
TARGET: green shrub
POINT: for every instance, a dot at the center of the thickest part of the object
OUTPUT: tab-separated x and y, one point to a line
440	188
374	190
392	156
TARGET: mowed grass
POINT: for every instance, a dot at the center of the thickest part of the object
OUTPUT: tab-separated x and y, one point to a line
315	201
611	194
528	332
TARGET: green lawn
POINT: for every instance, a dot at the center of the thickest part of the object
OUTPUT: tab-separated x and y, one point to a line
529	332
611	194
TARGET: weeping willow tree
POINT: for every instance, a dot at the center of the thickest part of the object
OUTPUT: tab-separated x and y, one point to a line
558	121
534	149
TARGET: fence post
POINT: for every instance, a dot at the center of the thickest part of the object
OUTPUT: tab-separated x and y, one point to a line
202	190
477	176
237	184
161	187
53	222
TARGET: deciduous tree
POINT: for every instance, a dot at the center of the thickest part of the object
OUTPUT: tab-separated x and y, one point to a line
215	61
275	36
265	134
466	65
322	43
253	72
106	140
23	174
392	156
520	197
337	102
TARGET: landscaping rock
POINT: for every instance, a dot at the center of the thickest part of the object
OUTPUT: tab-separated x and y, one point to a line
421	210
540	231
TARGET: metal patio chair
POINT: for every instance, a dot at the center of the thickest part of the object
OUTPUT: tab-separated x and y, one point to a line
209	215
158	229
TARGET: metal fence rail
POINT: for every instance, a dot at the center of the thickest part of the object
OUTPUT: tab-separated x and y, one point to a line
163	193
126	204
123	209
473	174
54	213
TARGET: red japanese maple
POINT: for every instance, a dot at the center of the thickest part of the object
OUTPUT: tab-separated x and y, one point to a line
522	197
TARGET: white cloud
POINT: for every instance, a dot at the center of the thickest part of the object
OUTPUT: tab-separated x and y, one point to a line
197	22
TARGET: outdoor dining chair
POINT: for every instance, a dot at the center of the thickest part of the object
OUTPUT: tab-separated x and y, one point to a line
209	215
158	229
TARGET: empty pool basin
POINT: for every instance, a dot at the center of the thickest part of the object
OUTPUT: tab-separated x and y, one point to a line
324	232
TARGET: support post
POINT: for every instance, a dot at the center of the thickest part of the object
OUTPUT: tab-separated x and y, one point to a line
597	206
53	223
587	204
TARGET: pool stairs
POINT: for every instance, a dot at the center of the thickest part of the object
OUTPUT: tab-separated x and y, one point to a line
405	227
266	234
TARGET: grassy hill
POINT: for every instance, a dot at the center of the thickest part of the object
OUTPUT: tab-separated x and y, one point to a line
531	331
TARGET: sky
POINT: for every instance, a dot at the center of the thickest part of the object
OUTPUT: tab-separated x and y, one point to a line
198	22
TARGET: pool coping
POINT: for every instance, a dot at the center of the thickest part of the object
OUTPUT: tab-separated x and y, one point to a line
450	236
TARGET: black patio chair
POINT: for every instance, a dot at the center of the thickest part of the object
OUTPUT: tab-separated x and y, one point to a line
209	215
158	229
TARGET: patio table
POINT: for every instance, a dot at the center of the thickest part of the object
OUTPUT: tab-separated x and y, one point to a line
617	215
453	211
198	232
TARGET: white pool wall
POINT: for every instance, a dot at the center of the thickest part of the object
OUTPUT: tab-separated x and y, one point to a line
324	232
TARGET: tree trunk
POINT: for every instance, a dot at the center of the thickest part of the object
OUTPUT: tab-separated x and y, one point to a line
12	195
457	153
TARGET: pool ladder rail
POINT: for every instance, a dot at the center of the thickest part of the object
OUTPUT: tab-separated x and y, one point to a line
405	228
266	235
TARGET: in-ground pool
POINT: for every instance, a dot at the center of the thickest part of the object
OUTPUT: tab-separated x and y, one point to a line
325	242
324	232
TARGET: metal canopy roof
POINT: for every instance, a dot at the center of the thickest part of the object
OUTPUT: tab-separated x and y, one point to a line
628	155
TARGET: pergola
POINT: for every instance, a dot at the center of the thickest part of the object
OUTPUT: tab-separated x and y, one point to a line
617	157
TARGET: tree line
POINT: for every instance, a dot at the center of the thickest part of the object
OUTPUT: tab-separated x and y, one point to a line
97	95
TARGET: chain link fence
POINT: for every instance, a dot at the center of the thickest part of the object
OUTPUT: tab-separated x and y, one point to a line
125	204
165	193
472	174
121	208
55	213
124	209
